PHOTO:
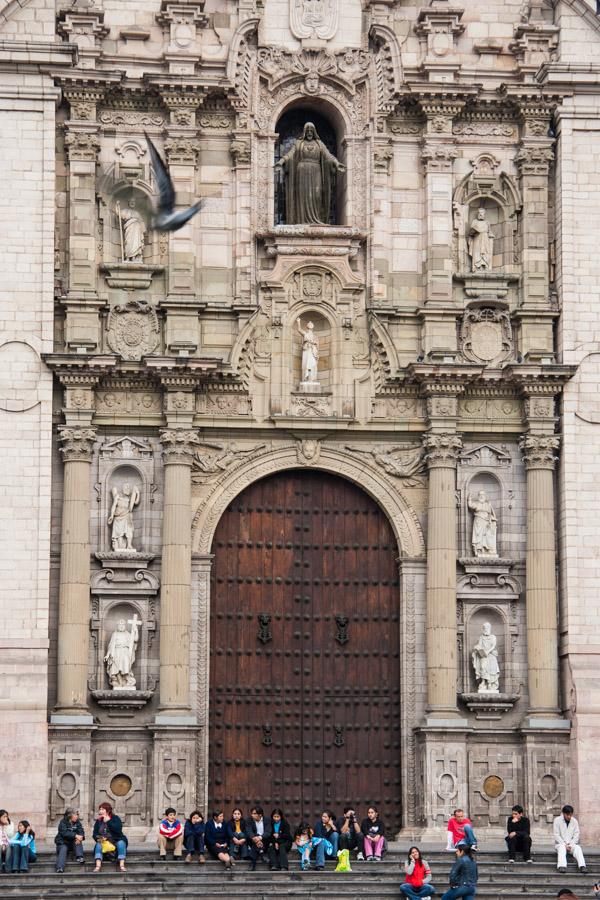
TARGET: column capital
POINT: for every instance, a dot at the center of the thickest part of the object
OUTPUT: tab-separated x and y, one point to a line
77	443
539	450
438	157
83	146
534	159
442	450
179	446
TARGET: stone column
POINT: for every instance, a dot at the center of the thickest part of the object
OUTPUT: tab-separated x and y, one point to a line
74	592
175	611
441	453
539	453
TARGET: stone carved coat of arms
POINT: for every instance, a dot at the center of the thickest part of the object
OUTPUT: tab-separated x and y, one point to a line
314	18
132	329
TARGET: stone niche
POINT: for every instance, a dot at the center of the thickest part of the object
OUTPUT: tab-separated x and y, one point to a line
125	461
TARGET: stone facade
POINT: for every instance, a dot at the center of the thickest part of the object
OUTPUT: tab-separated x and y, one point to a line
178	372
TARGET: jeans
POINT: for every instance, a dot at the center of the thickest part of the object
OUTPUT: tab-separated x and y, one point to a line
577	854
465	890
426	890
194	843
20	858
238	851
320	848
61	853
521	842
121	850
469	837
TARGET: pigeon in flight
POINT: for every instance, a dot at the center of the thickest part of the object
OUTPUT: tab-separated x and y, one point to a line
166	219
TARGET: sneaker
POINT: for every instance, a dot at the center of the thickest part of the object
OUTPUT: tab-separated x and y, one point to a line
377	859
511	862
474	848
80	860
370	858
360	857
582	869
529	862
562	869
60	871
319	868
188	858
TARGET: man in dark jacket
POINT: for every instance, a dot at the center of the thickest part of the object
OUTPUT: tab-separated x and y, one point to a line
258	833
463	875
518	835
70	836
351	837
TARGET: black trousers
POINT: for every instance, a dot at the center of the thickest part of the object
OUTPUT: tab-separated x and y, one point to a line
278	858
255	853
350	840
519	843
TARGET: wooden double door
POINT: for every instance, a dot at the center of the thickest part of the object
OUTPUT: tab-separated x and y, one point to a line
304	668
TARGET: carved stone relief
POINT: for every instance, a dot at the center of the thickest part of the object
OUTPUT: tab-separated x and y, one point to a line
132	329
314	19
121	777
495	782
486	335
211	458
404	462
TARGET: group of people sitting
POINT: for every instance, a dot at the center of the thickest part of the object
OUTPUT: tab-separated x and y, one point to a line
270	839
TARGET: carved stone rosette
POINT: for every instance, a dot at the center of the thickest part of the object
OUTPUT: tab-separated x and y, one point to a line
442	450
178	446
539	450
77	443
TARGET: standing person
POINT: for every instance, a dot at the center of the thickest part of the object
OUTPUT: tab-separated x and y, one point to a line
193	836
215	835
258	835
351	837
170	835
22	847
463	874
518	835
109	837
70	837
280	843
460	828
566	839
236	833
373	830
7	830
326	828
417	882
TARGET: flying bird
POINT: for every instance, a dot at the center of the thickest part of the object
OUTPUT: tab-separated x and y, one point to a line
166	219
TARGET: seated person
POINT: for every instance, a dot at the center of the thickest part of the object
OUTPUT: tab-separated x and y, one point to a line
22	847
257	834
69	838
193	836
217	842
326	828
170	835
518	835
460	828
417	882
236	832
109	837
351	837
373	831
566	839
303	842
280	842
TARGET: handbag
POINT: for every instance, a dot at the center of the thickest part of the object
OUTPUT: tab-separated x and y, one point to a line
107	846
343	861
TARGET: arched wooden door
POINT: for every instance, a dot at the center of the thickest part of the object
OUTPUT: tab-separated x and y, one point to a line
304	669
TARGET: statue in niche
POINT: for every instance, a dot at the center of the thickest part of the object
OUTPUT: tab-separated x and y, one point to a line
480	243
485	524
121	516
310	352
133	232
485	662
309	169
120	655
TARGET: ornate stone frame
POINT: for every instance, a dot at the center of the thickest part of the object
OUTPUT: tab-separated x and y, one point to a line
408	532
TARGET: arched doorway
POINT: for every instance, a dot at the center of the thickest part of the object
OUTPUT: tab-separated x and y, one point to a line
304	674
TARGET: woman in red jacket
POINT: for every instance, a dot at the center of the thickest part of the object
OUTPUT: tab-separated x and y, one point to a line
418	876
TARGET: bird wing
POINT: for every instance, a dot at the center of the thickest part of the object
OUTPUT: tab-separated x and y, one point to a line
166	199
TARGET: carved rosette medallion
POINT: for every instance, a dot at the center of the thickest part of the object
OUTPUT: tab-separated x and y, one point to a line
441	450
539	450
77	443
486	335
178	446
314	19
132	329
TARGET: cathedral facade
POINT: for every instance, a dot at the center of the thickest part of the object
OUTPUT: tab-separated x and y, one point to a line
300	499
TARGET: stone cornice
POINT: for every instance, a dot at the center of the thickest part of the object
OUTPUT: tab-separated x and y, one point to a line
27	54
538	380
443	379
165	367
69	368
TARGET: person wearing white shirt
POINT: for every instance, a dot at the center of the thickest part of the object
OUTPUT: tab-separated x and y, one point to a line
566	839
